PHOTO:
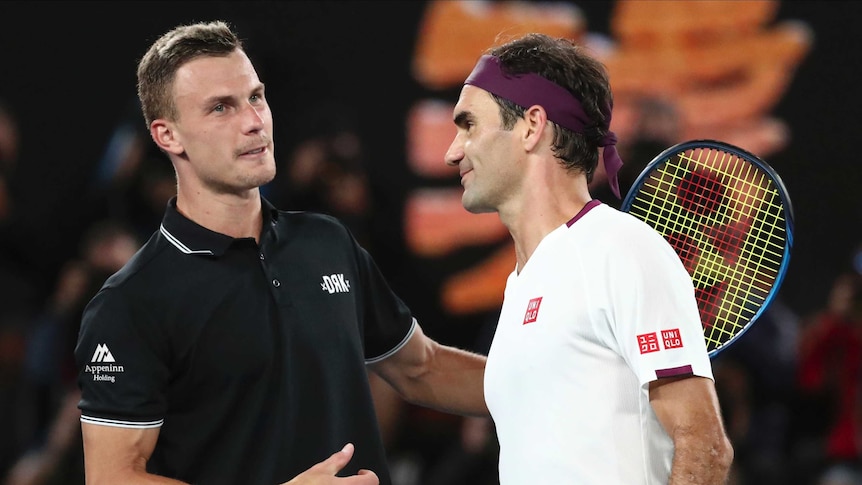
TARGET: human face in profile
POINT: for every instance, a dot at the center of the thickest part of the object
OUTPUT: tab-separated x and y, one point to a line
486	154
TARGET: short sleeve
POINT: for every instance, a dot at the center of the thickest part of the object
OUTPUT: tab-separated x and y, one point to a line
122	376
655	316
387	321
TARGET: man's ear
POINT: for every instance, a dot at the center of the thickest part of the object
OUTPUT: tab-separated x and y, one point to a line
165	136
536	120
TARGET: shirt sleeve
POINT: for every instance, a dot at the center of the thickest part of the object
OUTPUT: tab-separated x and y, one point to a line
122	377
387	321
655	316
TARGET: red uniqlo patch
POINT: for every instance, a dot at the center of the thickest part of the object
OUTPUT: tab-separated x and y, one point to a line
532	310
648	342
671	338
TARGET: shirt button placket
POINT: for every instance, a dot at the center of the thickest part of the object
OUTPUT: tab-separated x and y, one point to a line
275	282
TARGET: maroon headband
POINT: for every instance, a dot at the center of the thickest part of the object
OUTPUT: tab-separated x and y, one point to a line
563	108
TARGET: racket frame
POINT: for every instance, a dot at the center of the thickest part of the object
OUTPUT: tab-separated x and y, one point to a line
787	207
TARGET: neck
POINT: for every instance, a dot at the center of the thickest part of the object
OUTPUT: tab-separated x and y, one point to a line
549	200
235	215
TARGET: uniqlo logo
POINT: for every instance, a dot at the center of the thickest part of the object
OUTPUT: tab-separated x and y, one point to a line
648	342
671	338
532	310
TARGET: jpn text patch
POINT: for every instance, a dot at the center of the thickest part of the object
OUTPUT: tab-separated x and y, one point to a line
671	338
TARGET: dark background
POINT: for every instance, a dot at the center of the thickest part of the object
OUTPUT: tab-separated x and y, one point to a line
67	71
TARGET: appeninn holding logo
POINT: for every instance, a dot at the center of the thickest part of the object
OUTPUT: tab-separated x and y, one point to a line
103	365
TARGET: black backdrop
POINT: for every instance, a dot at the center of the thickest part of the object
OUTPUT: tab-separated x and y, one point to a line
67	72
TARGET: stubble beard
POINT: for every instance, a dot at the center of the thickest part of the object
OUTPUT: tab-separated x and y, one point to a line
245	180
475	204
256	178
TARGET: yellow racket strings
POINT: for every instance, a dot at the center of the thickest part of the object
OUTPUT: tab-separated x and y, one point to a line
730	214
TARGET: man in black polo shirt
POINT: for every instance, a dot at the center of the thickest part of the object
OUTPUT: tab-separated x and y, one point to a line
232	349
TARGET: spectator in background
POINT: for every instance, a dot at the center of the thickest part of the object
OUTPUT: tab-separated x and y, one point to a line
325	172
755	381
19	291
830	382
9	141
133	180
53	454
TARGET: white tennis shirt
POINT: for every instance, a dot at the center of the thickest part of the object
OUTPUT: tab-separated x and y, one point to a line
601	308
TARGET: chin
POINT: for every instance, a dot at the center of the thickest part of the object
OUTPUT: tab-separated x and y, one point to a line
475	206
261	181
251	181
263	176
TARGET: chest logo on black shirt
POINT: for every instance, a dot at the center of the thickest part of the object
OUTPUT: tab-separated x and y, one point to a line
335	283
103	366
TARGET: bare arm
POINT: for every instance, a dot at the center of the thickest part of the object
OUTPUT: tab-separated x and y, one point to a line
436	376
119	455
687	408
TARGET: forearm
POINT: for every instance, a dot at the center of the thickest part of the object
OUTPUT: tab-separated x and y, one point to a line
130	478
453	382
437	376
688	410
119	455
702	459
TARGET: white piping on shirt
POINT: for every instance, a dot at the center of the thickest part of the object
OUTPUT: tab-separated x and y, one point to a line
122	424
179	245
396	348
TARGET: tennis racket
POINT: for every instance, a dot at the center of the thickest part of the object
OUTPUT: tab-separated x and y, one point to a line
729	218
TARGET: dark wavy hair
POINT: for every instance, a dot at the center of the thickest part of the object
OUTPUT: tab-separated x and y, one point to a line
567	64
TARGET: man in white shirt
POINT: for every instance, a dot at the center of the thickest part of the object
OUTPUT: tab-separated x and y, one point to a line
598	372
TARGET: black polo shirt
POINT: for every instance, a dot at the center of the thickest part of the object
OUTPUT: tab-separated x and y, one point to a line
251	358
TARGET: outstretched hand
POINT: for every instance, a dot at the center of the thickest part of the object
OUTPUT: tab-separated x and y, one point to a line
324	472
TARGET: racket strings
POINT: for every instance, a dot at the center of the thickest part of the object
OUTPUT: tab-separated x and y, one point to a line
725	218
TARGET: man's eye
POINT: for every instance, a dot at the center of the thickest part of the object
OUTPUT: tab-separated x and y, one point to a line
218	108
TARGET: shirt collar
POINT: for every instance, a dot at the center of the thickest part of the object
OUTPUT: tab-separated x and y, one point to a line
192	238
586	208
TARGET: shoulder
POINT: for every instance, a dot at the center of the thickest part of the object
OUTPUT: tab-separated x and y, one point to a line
145	258
146	272
620	240
311	222
621	228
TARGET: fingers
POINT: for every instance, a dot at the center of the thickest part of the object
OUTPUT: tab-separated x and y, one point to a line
337	460
325	472
363	477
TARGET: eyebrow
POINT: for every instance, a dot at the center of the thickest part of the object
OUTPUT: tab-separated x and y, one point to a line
461	118
217	99
260	88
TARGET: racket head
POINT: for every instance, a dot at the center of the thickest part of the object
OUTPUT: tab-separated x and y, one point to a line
728	215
